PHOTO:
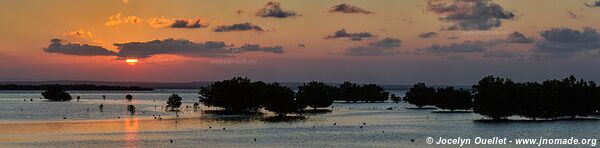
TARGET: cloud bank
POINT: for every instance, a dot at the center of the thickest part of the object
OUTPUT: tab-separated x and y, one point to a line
179	47
188	48
62	47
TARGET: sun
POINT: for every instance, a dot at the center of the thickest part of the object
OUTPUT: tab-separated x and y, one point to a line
131	61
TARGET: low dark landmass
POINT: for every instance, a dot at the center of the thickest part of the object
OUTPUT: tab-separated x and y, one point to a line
184	85
72	87
153	85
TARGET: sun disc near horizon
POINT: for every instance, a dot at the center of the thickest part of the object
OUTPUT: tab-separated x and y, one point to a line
131	61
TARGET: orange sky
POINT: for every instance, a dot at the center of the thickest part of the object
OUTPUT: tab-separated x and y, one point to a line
29	25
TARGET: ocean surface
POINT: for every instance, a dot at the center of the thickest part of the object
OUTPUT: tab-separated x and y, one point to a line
28	121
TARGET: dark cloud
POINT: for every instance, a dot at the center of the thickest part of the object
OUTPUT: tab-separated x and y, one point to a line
427	35
565	42
347	8
60	46
186	23
188	48
273	9
517	37
464	47
352	36
301	45
386	46
594	4
255	47
501	53
470	14
238	27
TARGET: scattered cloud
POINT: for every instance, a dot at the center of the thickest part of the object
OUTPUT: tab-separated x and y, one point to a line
238	27
359	36
385	46
159	22
517	37
126	2
62	47
162	22
470	14
273	9
186	23
78	34
573	15
425	35
119	19
255	47
347	8
566	42
594	4
501	53
187	48
464	47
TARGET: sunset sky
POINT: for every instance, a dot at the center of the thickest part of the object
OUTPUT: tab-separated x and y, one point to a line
367	41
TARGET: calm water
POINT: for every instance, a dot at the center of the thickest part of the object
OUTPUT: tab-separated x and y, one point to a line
40	124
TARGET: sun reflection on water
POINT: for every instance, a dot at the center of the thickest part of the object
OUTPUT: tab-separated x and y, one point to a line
132	128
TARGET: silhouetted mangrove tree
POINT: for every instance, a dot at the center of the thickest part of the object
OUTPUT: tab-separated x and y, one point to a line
174	102
351	92
317	94
420	95
56	93
499	98
444	98
243	95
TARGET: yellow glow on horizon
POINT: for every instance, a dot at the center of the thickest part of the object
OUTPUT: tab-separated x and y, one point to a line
131	61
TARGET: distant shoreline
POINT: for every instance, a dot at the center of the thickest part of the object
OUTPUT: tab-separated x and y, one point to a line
74	87
190	85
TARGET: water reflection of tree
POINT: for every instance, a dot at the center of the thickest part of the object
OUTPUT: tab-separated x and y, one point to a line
221	116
